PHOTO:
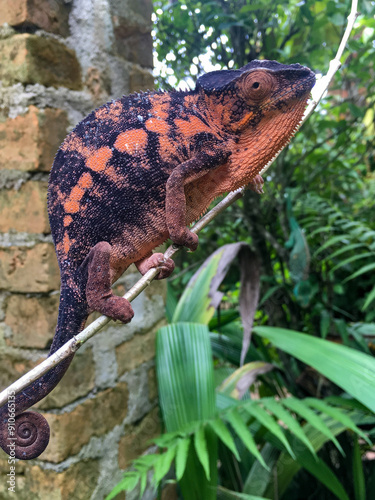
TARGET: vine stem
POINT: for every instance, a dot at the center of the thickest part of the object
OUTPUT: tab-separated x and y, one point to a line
76	342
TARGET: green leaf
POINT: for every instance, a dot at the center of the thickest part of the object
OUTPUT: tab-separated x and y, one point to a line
363	270
351	259
239	382
195	302
223	433
337	414
201	449
358	473
164	463
287	469
323	473
341	238
128	483
185	374
345	248
279	411
224	494
350	369
311	417
370	297
265	419
244	434
182	451
258	477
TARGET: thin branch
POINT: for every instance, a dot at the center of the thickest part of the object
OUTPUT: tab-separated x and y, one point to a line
73	344
322	85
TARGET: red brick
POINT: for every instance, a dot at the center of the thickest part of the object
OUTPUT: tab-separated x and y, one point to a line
31	59
29	142
95	417
24	209
49	15
77	482
32	269
136	440
32	320
78	381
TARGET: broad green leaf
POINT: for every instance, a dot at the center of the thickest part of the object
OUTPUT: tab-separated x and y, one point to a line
365	269
182	451
279	411
287	468
244	434
258	477
223	433
224	494
351	259
358	473
345	248
370	297
239	382
265	419
201	449
350	369
341	238
185	374
311	417
336	414
164	463
195	302
323	473
128	483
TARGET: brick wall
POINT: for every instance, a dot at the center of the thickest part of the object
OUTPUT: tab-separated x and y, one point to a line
58	60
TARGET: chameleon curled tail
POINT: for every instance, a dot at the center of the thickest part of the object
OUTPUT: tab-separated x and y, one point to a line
26	435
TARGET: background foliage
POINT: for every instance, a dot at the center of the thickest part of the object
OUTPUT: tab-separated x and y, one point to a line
313	231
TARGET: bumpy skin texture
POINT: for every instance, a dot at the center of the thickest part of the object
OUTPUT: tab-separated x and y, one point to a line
139	170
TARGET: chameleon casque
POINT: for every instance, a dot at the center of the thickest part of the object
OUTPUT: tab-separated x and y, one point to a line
138	171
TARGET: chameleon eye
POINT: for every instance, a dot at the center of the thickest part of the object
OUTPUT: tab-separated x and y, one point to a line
257	85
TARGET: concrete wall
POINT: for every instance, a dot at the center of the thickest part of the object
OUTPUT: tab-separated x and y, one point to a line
58	60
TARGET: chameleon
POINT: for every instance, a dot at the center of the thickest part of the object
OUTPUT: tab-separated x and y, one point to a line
139	170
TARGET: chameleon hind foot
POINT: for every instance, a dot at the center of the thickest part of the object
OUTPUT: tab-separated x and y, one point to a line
166	266
98	289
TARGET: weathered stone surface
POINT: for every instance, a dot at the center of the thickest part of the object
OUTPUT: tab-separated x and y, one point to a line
133	45
152	385
50	15
132	12
29	269
78	381
24	209
140	79
13	366
94	417
136	440
138	350
32	320
31	59
29	142
78	482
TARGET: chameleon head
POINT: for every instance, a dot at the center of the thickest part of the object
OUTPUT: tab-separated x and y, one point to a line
261	106
258	90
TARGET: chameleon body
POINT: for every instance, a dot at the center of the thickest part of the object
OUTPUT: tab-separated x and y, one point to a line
138	171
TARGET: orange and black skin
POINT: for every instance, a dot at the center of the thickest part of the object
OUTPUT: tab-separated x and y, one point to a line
138	171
